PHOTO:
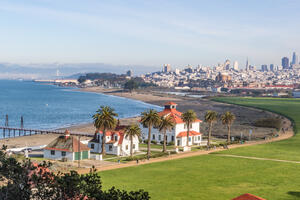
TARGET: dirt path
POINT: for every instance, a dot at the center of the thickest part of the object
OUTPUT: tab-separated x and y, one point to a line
189	154
257	158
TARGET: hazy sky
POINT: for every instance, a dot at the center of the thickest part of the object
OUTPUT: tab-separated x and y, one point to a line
149	32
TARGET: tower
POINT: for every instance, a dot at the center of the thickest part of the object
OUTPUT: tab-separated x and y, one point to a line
295	60
167	68
247	65
236	65
285	62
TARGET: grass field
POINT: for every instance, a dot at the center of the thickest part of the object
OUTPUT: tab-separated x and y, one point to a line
216	177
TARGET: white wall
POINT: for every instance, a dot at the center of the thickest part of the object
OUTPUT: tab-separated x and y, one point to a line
58	156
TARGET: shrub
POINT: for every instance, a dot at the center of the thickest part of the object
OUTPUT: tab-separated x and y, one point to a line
146	141
161	142
153	142
171	143
269	123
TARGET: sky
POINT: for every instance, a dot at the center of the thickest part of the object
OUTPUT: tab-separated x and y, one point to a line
149	33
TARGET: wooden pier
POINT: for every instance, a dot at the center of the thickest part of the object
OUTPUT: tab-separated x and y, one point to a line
9	132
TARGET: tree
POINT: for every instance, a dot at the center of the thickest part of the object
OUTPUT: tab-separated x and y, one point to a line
149	120
188	117
227	119
131	85
166	124
104	120
131	132
210	117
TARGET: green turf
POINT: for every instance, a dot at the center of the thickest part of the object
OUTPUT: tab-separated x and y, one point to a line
210	177
287	149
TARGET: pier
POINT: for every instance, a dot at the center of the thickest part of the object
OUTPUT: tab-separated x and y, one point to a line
9	132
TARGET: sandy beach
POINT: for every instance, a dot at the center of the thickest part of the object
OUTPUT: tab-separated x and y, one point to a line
245	117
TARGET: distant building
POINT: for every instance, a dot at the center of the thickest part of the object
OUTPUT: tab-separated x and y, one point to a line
264	68
223	77
285	62
66	147
129	73
247	65
272	68
236	65
227	65
177	71
167	68
295	60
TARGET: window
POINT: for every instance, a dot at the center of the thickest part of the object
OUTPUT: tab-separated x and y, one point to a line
116	138
52	152
126	147
189	139
172	138
159	137
133	146
110	147
199	137
184	126
178	142
153	137
92	146
191	125
166	138
63	153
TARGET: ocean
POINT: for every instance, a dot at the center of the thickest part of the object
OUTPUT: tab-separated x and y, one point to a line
45	106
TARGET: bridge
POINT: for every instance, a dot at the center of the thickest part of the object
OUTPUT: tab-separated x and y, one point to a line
9	132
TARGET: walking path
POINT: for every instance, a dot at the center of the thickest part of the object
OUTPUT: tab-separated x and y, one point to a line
257	158
188	154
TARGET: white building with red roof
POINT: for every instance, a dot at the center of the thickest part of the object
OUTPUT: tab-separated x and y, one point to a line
179	133
117	143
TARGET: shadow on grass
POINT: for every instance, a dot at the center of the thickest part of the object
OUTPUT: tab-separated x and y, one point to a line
293	193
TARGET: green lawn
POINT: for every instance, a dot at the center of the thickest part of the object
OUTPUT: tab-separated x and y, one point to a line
285	150
156	146
210	177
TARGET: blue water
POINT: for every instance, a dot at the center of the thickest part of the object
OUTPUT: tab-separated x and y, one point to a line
49	107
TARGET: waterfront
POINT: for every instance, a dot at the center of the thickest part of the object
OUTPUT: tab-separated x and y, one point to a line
51	107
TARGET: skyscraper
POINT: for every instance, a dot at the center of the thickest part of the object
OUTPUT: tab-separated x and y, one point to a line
227	65
167	68
264	68
247	65
295	60
285	62
272	67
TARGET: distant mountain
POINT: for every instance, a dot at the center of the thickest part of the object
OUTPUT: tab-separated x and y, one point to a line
67	70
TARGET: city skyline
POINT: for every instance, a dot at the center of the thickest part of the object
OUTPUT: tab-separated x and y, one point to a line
148	33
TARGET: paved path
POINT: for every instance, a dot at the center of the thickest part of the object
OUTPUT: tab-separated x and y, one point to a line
187	154
257	158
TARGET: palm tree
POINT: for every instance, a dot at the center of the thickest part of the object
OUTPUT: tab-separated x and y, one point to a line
166	124
210	117
104	120
131	132
227	119
188	117
150	119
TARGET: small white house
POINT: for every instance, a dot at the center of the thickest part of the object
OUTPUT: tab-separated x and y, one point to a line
178	135
117	143
66	147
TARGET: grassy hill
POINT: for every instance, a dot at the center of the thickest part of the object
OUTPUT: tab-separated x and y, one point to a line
215	177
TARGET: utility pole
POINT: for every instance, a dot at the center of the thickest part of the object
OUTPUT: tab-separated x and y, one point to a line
22	122
6	121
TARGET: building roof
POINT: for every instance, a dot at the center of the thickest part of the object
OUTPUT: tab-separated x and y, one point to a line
66	143
248	196
184	133
170	103
119	131
174	114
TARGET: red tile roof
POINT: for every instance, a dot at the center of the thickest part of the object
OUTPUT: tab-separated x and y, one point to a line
170	103
184	134
175	115
119	131
248	196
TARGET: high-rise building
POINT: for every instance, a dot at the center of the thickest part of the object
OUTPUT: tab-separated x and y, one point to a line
236	65
247	65
167	68
285	62
227	65
264	68
295	60
272	68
